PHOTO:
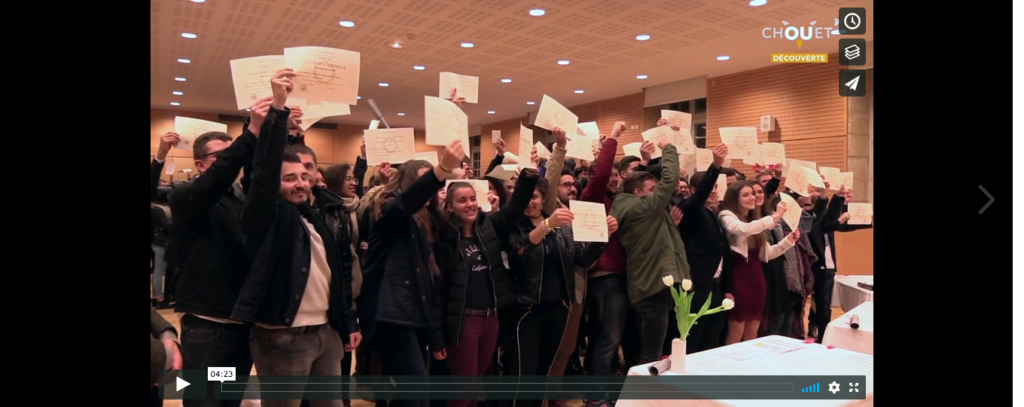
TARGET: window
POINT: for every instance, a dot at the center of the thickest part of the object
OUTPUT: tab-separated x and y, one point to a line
702	105
474	141
476	164
700	135
679	107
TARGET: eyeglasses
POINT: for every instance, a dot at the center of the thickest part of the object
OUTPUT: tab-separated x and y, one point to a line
568	184
212	154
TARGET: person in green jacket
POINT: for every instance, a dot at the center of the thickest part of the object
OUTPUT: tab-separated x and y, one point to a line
653	249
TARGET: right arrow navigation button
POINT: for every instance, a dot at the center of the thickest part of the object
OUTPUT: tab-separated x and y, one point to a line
990	199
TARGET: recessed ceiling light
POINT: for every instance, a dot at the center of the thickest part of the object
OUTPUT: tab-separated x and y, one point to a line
579	90
723	58
178	93
467	45
757	3
563	62
506	80
188	35
401	114
179	79
346	24
383	84
358	97
175	104
185	60
641	76
199	1
395	45
531	103
537	12
643	37
248	110
490	112
419	67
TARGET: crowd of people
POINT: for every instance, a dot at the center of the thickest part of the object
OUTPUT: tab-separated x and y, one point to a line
302	270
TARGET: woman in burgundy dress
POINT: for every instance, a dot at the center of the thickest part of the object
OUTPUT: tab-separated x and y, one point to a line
746	230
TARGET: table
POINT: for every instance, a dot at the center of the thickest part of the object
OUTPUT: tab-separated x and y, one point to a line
847	295
841	335
771	355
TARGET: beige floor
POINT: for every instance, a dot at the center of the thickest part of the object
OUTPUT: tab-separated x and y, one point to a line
171	317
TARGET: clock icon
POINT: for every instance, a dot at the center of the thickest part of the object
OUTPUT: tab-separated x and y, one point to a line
853	20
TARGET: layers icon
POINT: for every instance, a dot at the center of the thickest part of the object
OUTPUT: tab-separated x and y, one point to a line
852	52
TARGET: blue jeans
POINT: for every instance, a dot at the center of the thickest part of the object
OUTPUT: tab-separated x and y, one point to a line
608	306
402	353
209	344
158	271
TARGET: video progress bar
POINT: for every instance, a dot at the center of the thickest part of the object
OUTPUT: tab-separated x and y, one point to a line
514	387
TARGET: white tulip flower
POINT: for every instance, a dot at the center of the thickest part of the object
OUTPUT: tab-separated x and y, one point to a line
727	304
687	284
668	280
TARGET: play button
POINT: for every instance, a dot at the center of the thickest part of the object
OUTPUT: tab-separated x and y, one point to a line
181	384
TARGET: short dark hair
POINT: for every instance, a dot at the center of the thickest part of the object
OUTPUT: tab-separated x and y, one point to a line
697	178
655	170
291	158
300	149
729	171
625	162
334	177
636	180
566	171
199	145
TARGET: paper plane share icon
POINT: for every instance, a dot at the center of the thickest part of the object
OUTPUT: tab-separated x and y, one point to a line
853	83
852	52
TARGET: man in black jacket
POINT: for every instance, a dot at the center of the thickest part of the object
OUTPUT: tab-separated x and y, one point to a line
206	244
707	253
296	292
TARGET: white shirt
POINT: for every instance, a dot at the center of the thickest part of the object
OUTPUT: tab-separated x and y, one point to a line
829	263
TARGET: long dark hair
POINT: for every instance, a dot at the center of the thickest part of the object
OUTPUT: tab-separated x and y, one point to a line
407	174
499	189
731	202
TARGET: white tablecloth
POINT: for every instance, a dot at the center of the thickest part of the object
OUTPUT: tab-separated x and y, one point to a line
841	335
847	295
770	355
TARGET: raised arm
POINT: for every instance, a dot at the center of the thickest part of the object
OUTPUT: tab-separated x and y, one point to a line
197	197
359	172
732	224
262	197
499	157
707	184
774	251
504	220
414	198
597	187
669	181
553	173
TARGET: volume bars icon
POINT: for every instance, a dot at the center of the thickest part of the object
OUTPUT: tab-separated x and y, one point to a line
852	52
814	388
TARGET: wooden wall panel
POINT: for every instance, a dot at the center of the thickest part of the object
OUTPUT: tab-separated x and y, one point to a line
804	98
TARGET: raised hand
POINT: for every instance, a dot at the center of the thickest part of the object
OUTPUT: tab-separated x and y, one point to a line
559	135
677	215
617	129
662	122
281	84
168	140
534	158
720	152
362	148
257	113
794	235
455	98
646	149
500	147
844	217
561	217
452	156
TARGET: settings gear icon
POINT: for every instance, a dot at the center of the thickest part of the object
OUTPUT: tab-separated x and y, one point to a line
833	387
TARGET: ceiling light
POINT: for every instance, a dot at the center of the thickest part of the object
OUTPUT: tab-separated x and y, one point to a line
346	24
185	60
490	112
579	90
467	45
401	114
395	45
531	103
419	67
248	110
641	76
757	3
175	104
188	35
178	93
199	1
643	37
358	97
563	62
537	12
506	80
179	79
723	58
383	84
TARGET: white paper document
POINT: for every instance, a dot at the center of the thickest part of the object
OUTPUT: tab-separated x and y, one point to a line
251	78
860	213
632	149
394	146
590	222
324	74
510	158
428	156
678	119
843	180
480	186
495	136
757	348
793	210
704	160
830	175
552	114
168	167
526	146
580	147
722	183
465	86
772	154
742	142
792	162
446	122
188	129
589	129
504	172
682	140
374	124
542	151
800	177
